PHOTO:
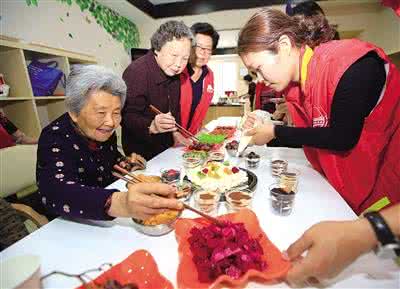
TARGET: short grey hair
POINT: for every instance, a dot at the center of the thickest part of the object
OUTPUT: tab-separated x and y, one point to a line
84	79
168	31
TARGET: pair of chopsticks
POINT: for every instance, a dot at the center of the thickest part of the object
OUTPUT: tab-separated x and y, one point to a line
179	127
136	180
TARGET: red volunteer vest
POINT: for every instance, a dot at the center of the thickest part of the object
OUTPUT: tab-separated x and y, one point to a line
370	171
186	100
6	139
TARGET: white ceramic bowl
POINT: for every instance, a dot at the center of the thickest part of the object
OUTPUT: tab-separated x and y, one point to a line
21	272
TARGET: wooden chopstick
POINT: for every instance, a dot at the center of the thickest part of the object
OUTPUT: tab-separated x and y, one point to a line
121	177
186	206
208	217
181	128
122	170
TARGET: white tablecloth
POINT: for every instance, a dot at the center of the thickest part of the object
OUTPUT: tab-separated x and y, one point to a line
75	246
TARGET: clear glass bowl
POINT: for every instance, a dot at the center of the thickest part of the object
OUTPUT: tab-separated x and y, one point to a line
207	201
238	199
278	167
216	156
184	189
156	230
252	162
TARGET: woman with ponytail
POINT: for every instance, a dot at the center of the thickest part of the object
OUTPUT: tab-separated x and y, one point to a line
343	97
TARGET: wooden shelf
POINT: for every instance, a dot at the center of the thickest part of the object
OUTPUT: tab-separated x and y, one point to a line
38	48
8	98
28	112
49	97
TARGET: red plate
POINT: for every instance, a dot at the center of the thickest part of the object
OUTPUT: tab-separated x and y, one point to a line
139	268
276	269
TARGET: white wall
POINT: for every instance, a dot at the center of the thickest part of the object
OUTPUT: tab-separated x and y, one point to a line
42	25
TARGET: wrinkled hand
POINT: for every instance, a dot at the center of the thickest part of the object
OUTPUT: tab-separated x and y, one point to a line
144	200
262	134
164	122
331	247
179	139
138	159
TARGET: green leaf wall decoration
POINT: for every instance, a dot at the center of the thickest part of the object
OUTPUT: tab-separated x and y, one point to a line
119	27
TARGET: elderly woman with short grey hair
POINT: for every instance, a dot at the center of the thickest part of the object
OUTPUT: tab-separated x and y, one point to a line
77	152
154	80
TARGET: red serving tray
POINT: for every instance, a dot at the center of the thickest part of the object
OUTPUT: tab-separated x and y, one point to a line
276	269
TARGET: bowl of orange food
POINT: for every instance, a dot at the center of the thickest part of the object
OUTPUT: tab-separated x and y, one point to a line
157	225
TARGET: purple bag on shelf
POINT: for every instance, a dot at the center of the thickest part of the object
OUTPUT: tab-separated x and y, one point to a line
44	77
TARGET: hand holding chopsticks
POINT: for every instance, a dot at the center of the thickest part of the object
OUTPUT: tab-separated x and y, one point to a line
181	129
135	180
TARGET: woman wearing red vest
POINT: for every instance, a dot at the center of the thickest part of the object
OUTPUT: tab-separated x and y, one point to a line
343	97
197	80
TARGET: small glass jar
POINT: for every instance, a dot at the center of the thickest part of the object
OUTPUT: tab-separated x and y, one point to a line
282	202
238	199
207	201
252	160
184	190
278	167
192	162
289	179
216	157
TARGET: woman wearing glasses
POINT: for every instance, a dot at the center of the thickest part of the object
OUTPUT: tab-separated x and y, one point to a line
197	80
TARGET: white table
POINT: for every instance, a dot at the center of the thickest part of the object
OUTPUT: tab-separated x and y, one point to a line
73	246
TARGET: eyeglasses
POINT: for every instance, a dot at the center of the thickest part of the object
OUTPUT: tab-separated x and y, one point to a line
204	49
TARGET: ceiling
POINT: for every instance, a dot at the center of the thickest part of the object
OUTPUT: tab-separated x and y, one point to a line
172	8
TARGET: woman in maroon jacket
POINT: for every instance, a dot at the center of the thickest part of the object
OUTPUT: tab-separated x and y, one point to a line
154	79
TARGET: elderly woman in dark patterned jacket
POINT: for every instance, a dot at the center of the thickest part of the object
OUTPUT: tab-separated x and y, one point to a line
78	150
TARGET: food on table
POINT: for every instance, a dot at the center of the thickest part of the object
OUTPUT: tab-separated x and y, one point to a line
198	146
282	191
239	199
227	250
278	167
195	154
211	138
216	156
227	131
207	201
170	175
183	190
192	160
232	147
217	176
288	180
148	179
252	160
163	218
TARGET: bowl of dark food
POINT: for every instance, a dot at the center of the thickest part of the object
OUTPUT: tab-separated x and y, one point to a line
170	175
198	146
157	225
232	148
252	160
